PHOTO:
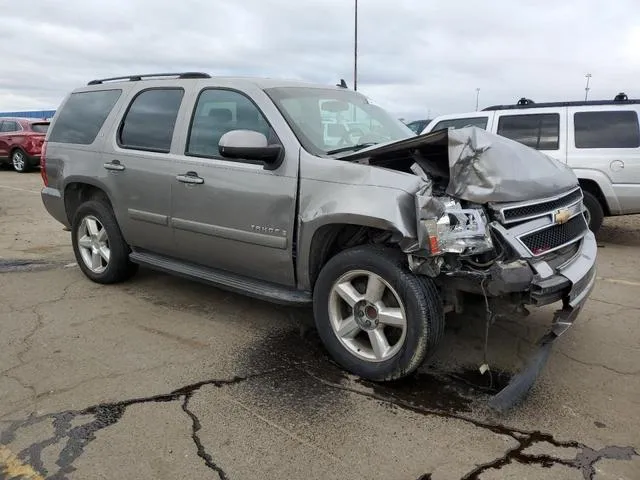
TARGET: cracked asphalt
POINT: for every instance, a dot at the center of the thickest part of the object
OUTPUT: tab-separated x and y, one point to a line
162	378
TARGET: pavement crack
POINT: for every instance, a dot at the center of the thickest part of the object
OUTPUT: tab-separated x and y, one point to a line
195	428
76	438
585	460
595	364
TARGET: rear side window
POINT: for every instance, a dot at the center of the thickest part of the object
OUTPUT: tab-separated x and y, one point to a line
40	127
83	115
151	119
617	129
480	122
540	131
9	126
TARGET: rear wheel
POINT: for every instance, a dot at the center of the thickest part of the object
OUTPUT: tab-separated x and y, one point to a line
376	318
20	161
98	245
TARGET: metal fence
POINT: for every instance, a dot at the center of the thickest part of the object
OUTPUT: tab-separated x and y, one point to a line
47	114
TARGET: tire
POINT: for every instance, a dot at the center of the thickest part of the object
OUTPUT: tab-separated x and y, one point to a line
595	212
414	297
118	268
20	161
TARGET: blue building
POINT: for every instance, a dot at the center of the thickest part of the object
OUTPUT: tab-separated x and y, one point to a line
31	114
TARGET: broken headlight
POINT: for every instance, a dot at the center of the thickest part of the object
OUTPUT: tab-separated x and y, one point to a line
459	230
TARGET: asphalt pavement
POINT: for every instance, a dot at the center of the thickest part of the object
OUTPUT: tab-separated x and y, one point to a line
163	378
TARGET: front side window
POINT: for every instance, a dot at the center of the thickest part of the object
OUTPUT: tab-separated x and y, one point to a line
538	130
615	129
331	121
83	115
220	111
480	122
150	121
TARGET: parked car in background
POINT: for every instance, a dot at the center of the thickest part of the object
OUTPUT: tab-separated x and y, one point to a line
21	142
599	140
418	125
235	182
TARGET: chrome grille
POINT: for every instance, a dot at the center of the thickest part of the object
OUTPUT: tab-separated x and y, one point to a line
555	236
518	213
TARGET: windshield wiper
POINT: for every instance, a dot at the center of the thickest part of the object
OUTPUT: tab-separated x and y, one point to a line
358	146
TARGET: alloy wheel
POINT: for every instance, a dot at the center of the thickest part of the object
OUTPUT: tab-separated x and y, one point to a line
93	243
18	160
367	316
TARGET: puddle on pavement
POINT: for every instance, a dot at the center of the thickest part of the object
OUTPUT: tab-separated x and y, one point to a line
299	355
446	391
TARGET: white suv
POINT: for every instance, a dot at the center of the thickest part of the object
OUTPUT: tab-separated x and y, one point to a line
599	140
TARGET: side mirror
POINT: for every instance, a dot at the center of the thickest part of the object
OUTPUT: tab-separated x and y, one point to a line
250	145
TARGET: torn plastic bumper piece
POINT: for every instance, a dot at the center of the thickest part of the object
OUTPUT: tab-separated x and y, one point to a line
522	382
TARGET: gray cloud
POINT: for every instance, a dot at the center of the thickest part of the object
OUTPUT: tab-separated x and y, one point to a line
415	56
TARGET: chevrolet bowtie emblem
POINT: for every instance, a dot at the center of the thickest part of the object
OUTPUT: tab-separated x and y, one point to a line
562	216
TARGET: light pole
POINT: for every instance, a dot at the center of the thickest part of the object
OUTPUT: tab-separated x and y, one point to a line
355	48
586	89
477	97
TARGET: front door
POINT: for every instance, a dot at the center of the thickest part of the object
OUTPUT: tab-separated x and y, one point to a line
233	215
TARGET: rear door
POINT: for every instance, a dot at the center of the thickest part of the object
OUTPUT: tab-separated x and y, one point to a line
234	215
138	167
541	129
606	139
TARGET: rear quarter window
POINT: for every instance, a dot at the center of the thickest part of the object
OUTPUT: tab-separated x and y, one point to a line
39	127
614	129
83	115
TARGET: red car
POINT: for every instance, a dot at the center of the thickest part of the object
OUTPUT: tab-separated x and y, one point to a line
21	142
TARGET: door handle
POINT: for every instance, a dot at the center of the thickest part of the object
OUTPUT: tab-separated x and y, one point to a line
191	178
114	165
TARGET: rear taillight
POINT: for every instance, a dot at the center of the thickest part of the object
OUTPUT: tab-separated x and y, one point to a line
43	164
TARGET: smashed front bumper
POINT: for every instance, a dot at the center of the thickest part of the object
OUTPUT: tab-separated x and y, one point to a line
571	283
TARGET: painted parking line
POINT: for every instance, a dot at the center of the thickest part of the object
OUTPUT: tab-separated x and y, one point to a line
18	189
619	281
13	467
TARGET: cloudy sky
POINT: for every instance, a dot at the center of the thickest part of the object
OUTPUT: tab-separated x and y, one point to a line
416	57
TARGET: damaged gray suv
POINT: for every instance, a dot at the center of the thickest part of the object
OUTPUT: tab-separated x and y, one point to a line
312	195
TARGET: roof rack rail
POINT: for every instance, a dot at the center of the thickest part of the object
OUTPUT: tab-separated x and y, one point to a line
525	103
136	78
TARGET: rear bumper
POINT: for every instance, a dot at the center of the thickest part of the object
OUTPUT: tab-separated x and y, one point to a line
54	204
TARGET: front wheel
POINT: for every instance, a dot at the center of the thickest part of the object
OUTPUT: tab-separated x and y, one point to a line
594	213
375	317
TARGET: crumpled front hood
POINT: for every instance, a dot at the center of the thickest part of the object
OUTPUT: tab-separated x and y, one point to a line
476	165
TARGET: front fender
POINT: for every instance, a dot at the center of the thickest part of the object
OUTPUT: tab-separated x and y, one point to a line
363	205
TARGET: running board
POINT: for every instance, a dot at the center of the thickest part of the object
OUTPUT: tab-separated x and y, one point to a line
227	281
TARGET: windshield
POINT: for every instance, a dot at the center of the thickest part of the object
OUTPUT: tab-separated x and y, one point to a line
329	121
